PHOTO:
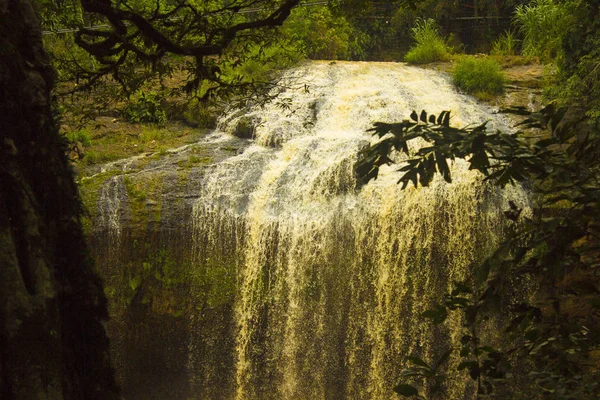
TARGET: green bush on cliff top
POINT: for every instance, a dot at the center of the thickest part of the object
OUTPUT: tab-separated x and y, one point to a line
479	76
430	45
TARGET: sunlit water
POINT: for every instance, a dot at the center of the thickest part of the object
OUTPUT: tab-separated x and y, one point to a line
331	281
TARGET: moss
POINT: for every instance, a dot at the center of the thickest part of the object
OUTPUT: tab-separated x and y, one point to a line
230	149
145	195
217	282
89	191
160	284
119	140
194	161
156	281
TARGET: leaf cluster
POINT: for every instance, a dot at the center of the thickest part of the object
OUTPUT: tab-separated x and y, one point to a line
501	157
146	107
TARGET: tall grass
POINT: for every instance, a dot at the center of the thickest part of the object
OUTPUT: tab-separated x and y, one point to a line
430	46
506	45
482	77
543	23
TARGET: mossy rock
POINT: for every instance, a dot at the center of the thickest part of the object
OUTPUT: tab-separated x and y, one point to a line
244	128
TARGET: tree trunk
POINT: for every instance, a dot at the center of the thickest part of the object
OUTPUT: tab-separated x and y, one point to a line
52	341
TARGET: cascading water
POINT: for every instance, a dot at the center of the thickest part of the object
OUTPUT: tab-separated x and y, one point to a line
331	281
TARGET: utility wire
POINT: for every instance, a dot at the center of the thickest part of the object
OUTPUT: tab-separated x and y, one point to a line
104	26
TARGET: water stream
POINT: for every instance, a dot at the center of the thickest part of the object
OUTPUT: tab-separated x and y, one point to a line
331	280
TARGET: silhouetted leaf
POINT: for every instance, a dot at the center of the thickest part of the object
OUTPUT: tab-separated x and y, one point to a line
423	117
409	176
443	359
414	116
442	166
440	117
474	371
418	361
406	390
479	160
437	315
466	364
446	121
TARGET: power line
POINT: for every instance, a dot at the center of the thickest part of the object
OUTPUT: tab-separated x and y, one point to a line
104	26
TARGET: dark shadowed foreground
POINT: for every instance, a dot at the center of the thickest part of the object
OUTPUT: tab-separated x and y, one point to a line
52	342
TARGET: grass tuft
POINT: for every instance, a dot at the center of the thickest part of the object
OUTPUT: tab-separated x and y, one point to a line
430	45
480	76
82	136
506	45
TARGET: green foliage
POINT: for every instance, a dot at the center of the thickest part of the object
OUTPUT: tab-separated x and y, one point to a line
543	23
93	157
578	74
321	35
145	107
419	371
430	46
506	45
197	114
374	35
447	143
82	136
134	41
56	15
478	75
260	64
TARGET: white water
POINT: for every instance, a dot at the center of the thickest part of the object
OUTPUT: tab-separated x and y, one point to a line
331	281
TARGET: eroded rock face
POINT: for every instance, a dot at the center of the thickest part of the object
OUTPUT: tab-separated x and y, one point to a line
170	319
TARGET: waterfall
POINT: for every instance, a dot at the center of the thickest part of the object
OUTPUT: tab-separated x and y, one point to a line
109	203
330	280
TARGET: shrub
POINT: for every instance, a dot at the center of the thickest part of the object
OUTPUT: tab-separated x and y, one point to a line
543	24
146	107
320	34
430	45
479	76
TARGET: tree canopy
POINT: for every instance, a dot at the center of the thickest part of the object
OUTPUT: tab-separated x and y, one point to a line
130	41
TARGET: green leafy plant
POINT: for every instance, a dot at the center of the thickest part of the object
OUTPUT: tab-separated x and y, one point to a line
479	76
430	46
146	107
543	24
420	370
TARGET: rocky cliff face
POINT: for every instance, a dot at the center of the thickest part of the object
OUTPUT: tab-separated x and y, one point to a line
168	319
